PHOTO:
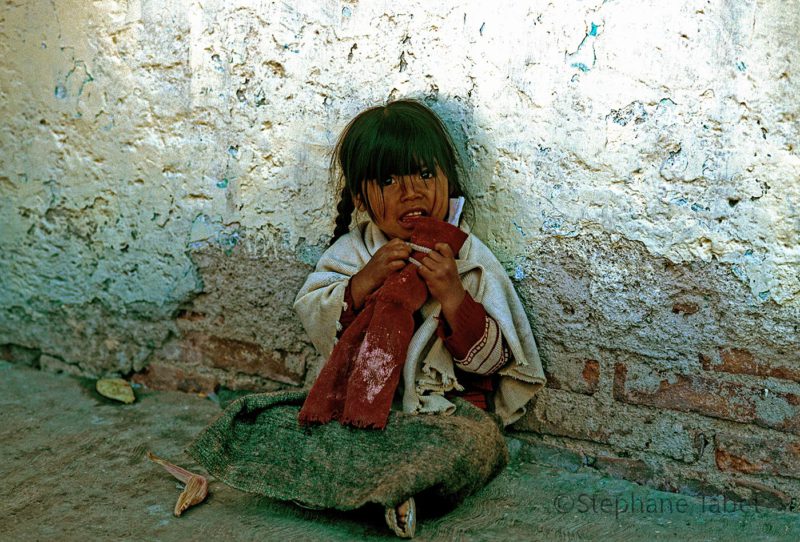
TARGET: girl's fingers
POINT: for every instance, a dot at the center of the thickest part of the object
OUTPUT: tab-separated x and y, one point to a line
397	254
400	247
444	249
434	268
424	272
397	244
435	256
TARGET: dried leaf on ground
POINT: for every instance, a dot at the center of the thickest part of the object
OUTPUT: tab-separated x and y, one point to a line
196	489
116	388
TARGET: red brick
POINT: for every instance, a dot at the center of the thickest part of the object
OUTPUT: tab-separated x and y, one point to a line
685	308
576	375
754	454
688	393
740	361
160	376
728	462
712	397
591	374
238	356
764	495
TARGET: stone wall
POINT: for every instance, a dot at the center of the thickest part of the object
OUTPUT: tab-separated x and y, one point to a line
163	171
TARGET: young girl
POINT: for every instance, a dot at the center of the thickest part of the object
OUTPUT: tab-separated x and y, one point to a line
472	338
453	325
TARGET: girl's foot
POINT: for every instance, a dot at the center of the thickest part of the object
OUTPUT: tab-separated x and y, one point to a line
403	519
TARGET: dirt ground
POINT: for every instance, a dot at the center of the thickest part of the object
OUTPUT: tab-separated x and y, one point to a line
72	467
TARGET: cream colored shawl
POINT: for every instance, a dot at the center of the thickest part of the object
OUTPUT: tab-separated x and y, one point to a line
428	370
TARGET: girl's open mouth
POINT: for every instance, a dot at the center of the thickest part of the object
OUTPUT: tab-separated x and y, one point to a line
407	219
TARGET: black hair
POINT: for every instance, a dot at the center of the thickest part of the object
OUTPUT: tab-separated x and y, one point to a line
397	139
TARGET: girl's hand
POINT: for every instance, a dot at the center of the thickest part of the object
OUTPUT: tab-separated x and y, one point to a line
440	274
391	257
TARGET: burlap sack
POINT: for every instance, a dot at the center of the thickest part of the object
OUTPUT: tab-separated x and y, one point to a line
258	446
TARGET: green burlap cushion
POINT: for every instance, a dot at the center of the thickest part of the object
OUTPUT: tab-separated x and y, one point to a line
257	445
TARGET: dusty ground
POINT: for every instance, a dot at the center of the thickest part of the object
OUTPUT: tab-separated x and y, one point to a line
72	468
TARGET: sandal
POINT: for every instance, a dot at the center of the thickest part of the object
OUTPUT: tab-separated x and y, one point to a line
403	527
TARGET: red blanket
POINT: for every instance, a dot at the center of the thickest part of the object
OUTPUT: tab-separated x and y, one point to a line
357	384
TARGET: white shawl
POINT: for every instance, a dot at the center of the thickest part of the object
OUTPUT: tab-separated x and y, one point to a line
428	370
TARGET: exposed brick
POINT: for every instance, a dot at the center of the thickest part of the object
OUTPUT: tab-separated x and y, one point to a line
740	361
686	393
726	461
238	356
591	374
576	375
764	495
754	454
635	470
710	397
685	308
159	376
567	414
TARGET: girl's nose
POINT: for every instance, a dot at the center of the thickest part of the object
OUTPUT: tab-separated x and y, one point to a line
409	186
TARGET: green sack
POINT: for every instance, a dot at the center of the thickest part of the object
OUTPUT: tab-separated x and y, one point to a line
257	445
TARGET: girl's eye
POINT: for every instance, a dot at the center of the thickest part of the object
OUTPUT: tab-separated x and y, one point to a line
426	174
388	181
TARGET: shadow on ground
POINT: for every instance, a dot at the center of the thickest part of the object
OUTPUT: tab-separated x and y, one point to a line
73	468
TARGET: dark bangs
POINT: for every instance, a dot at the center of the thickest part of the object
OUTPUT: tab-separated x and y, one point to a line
401	138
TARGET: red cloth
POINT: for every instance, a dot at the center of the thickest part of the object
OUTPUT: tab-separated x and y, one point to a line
477	388
470	325
357	384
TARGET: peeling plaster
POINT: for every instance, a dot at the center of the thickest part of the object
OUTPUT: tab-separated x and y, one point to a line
139	135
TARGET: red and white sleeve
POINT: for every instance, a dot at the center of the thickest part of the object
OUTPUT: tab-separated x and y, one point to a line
474	339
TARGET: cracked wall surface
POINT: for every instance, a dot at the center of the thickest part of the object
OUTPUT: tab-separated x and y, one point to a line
163	171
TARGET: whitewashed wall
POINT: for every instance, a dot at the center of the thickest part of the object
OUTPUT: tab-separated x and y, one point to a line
163	170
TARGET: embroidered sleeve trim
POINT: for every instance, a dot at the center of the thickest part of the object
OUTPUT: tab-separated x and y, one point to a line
487	355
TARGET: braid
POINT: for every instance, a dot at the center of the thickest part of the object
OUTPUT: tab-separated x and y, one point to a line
345	209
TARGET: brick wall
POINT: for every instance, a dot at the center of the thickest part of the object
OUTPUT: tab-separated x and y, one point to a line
693	396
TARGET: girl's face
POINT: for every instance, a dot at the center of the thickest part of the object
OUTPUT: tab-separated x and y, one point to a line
407	198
